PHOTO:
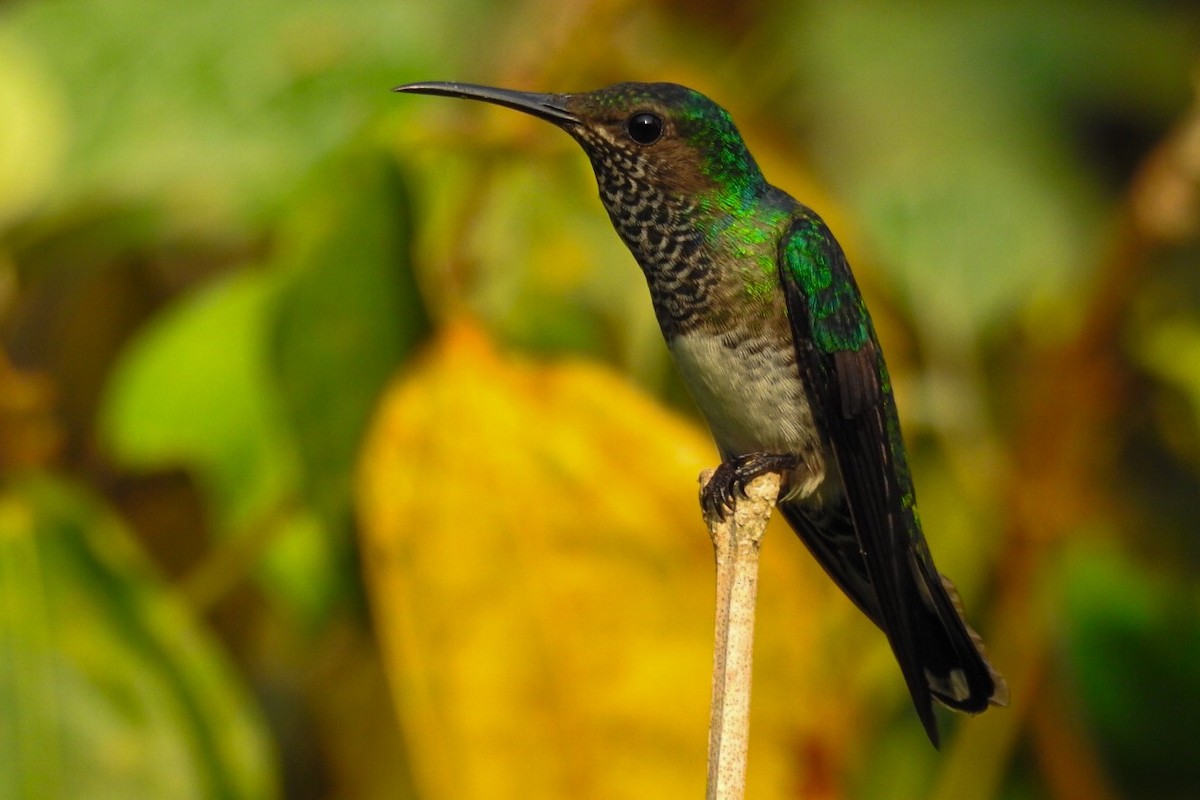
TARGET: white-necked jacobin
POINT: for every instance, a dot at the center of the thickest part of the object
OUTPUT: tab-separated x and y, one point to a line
769	331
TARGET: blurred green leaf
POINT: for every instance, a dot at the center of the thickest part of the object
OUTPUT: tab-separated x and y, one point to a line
109	689
346	318
193	390
347	314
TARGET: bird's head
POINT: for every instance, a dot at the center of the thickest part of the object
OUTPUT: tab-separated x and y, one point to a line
644	139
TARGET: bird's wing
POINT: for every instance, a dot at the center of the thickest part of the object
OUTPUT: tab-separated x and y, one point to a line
895	582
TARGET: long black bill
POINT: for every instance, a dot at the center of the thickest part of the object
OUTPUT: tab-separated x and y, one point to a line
549	107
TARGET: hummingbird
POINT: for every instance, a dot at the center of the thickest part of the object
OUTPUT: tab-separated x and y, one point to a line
769	331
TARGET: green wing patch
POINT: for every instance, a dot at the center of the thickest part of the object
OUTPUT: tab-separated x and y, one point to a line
815	261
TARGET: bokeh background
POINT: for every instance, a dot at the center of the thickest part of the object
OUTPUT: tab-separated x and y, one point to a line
342	457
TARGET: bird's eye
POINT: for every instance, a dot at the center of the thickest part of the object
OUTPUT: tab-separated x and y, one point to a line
645	128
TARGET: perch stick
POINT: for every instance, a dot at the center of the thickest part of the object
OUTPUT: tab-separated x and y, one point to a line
736	541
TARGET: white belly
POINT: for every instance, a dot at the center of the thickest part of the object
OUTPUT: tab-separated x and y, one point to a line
751	396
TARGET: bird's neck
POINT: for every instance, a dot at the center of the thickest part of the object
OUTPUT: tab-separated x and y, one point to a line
703	256
659	231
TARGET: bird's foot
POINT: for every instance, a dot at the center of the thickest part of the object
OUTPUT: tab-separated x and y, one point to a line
729	480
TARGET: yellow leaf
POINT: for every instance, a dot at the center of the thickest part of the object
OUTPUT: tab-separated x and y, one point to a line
543	586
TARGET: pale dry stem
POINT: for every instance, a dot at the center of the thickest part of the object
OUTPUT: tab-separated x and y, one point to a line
736	542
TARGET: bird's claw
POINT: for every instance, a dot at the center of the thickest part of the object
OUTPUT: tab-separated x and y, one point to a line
730	479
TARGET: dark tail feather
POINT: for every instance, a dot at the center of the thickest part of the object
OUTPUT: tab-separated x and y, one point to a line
931	637
956	664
